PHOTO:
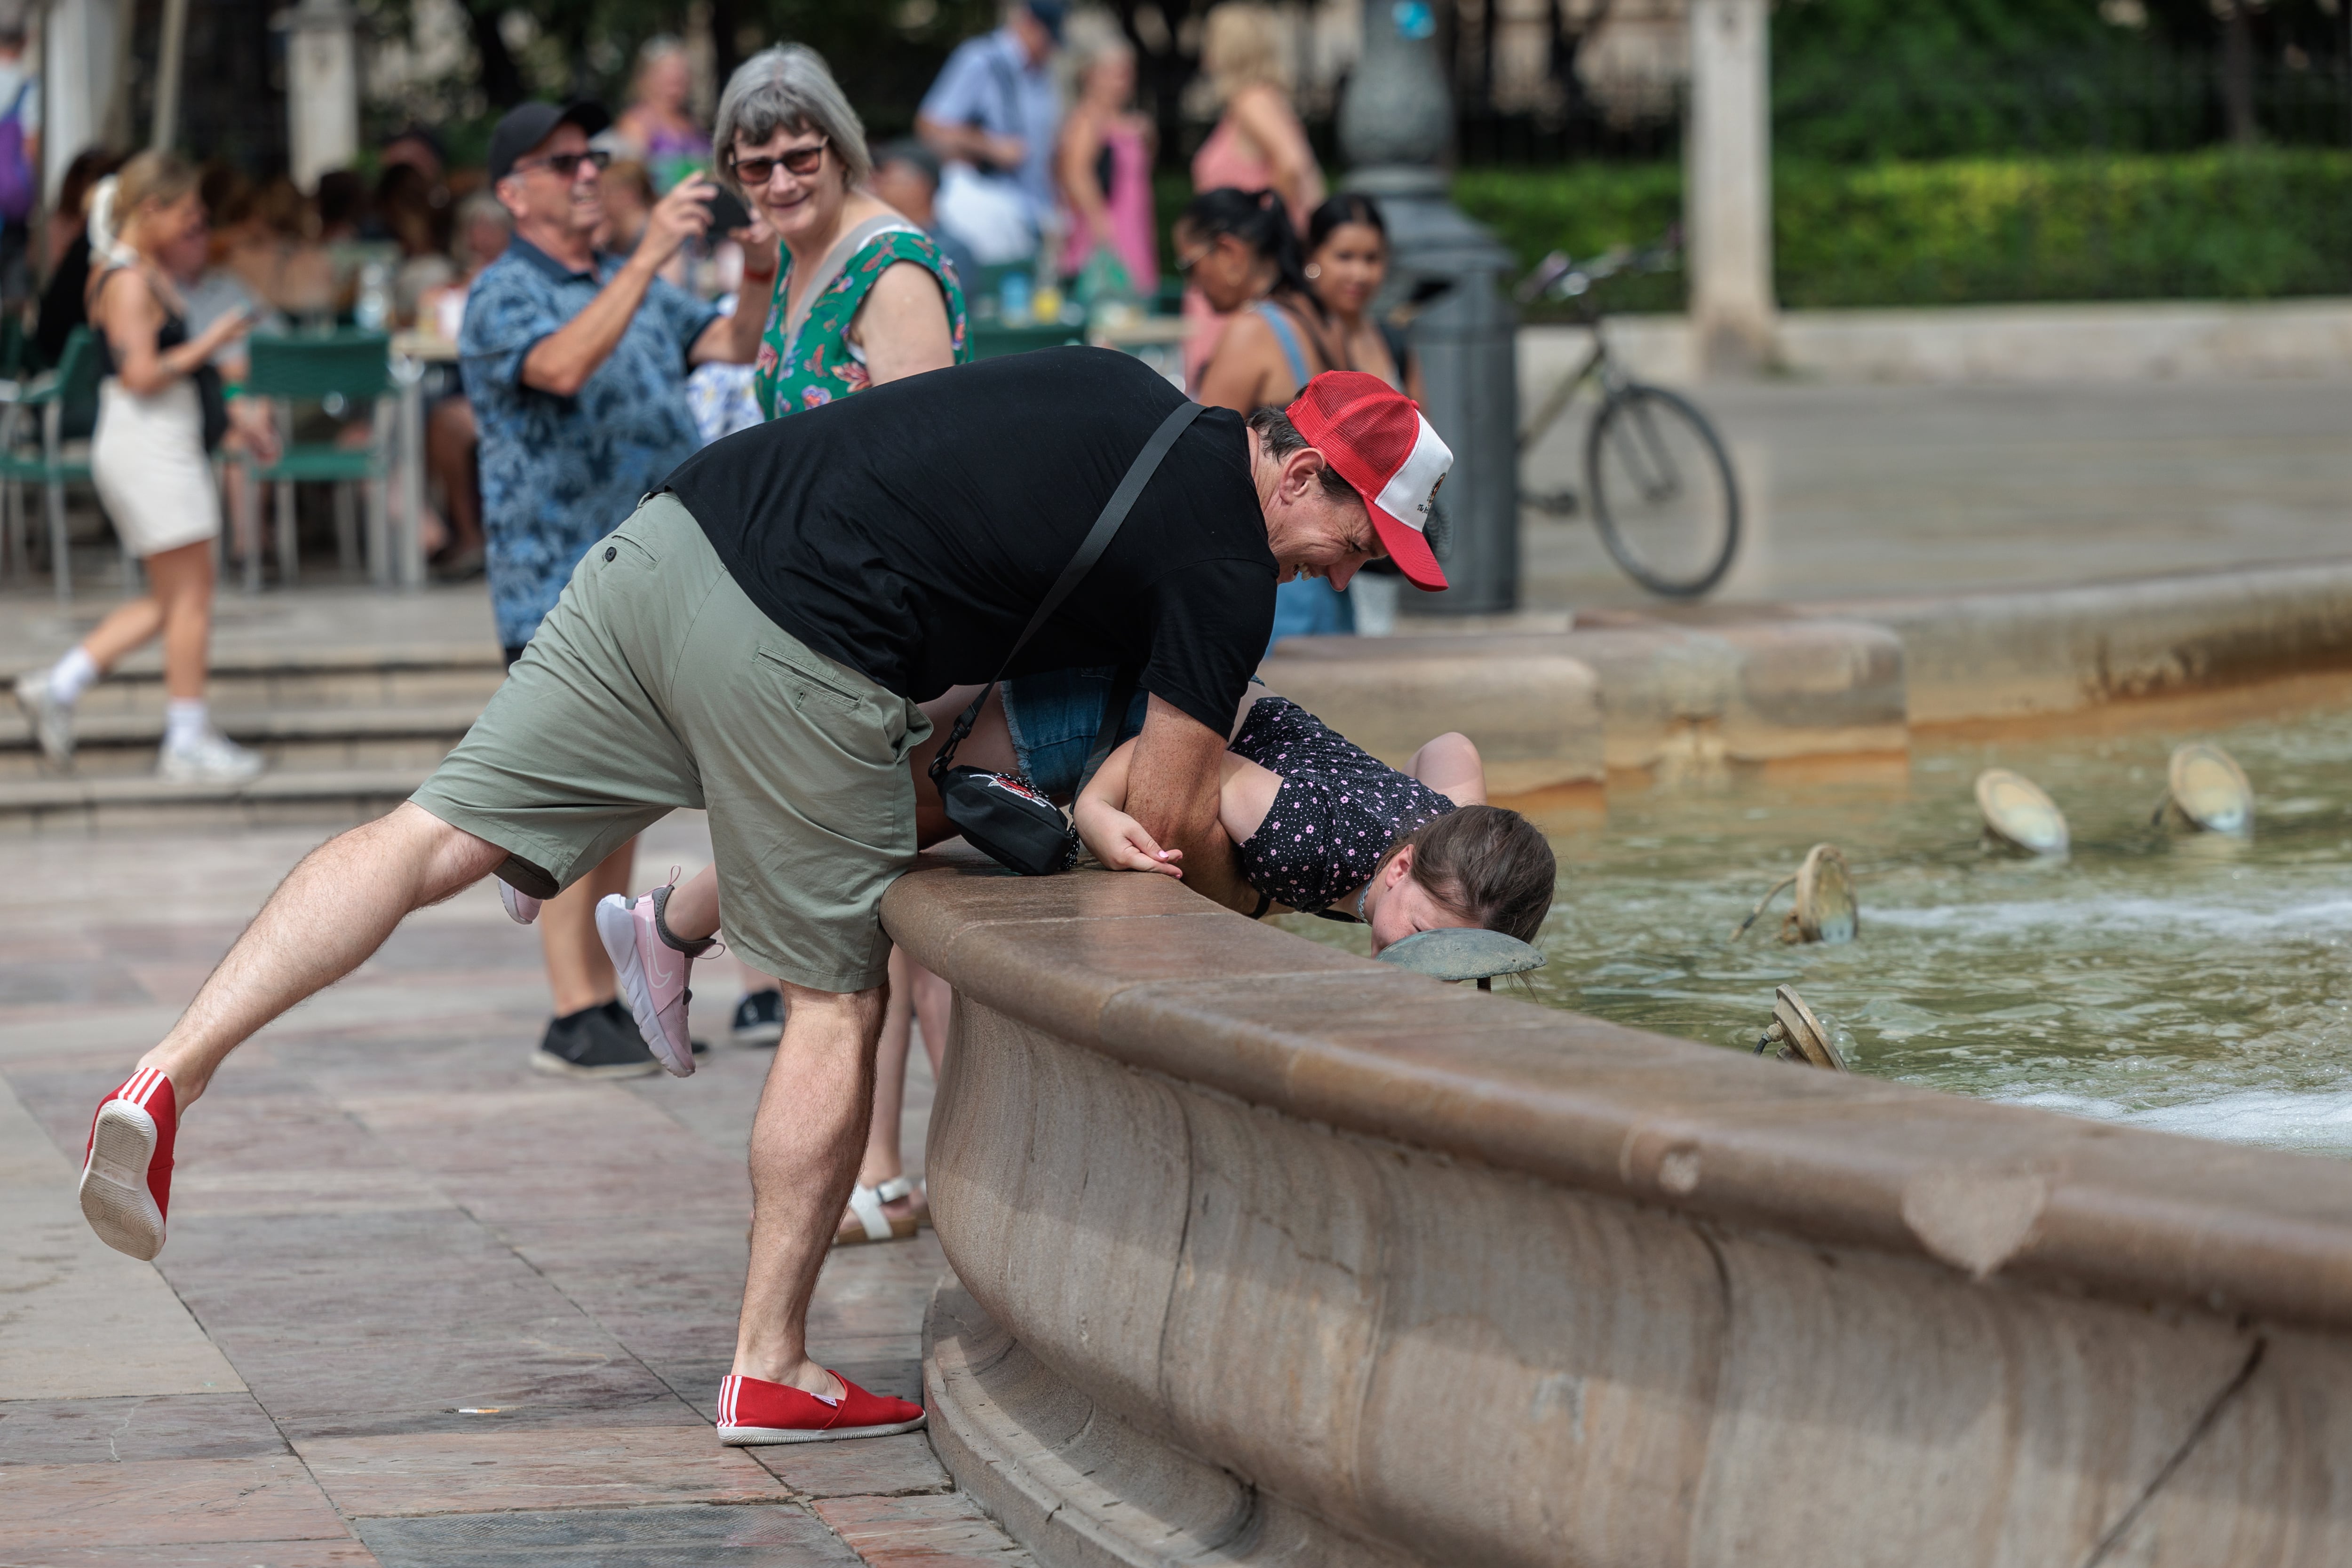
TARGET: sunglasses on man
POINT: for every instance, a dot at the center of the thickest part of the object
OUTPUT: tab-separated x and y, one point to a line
566	165
799	162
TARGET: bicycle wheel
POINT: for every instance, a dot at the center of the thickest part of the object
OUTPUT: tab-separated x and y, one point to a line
1662	491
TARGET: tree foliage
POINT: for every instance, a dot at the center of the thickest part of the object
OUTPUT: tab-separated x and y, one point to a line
1857	81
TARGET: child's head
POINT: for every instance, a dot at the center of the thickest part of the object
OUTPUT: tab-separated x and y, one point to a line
1480	866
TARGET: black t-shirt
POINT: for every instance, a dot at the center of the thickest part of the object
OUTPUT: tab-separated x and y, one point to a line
911	531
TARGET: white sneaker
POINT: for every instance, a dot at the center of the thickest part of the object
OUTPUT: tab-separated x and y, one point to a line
653	977
52	720
521	907
214	759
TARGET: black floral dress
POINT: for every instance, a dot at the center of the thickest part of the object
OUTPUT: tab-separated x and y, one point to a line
1338	810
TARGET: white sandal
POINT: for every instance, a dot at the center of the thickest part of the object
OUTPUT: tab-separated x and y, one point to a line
865	1203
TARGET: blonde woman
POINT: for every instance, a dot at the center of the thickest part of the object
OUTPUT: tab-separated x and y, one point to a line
159	409
658	129
1258	143
1103	166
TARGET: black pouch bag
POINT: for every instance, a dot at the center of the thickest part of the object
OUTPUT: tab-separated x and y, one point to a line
998	814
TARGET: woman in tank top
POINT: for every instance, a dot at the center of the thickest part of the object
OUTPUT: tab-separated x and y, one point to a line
658	127
1347	263
1104	166
1238	249
159	410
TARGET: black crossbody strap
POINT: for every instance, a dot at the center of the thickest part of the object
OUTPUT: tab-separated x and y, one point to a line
1114	513
1107	526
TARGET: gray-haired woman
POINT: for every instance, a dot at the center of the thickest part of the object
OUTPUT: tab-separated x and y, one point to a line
861	296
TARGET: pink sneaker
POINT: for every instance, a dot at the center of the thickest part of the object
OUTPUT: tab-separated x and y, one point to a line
653	977
752	1412
521	907
126	1167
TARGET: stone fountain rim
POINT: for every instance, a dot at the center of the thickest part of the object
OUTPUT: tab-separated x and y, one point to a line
1150	976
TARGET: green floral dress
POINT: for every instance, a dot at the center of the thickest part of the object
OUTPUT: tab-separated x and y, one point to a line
820	363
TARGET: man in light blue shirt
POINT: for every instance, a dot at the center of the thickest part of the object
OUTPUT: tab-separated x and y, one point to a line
995	112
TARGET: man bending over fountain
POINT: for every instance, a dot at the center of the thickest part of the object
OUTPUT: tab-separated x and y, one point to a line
753	641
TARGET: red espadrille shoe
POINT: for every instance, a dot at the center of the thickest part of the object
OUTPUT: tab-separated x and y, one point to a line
126	1170
752	1412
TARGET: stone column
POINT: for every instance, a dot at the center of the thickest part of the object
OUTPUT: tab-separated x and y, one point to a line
1396	126
170	62
1727	191
323	90
81	56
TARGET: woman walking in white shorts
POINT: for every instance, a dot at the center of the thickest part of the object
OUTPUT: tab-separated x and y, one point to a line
148	458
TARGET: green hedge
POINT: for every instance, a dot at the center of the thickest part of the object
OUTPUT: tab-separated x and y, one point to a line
2221	225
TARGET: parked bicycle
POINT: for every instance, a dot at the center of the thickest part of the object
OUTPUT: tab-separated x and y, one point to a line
1657	478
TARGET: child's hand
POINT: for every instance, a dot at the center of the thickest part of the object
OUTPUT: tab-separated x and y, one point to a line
1120	841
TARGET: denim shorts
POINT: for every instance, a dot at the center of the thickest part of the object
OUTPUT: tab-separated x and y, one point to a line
1054	717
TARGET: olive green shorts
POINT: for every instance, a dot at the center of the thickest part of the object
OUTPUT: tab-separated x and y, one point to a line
656	683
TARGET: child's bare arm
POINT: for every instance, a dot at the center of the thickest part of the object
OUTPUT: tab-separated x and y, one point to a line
1111	835
1119	841
1109	785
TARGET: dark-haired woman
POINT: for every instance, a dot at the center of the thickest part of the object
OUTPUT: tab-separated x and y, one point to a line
1241	253
1240	250
1323	825
1347	262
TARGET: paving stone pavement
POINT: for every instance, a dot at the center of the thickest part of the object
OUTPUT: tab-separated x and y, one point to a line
382	1220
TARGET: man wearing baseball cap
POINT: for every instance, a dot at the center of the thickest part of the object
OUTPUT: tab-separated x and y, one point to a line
754	641
994	115
576	363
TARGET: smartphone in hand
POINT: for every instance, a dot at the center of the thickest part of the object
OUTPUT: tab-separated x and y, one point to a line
727	212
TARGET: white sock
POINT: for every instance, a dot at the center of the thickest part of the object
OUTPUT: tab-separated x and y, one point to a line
72	675
185	722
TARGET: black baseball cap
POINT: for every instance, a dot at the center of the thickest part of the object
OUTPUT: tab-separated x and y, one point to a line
1050	15
525	125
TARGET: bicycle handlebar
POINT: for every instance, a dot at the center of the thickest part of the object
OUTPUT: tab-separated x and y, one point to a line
1564	278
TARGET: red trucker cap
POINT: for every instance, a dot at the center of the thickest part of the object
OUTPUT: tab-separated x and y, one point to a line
1374	436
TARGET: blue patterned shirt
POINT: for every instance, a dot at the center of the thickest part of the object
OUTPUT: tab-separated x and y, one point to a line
561	472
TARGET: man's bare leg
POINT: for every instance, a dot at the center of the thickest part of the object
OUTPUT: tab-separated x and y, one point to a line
333	910
805	1148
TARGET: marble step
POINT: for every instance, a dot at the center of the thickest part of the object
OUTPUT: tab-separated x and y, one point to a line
331	796
116	743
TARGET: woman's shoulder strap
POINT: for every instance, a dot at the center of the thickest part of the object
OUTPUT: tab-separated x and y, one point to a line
1286	333
1400	345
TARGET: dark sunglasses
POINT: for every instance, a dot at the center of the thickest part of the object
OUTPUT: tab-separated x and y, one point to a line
566	165
799	162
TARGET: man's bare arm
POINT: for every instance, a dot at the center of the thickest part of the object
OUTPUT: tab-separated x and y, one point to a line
1171	791
563	361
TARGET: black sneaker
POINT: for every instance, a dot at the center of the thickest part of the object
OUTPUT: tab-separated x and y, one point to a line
595	1042
759	1017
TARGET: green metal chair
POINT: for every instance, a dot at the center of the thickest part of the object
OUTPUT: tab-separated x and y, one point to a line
341	370
67	403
